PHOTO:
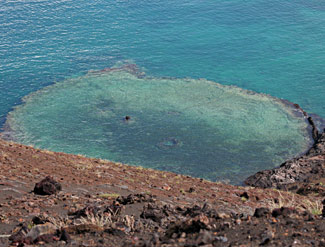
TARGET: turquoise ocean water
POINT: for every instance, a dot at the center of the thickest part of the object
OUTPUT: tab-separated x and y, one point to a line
273	47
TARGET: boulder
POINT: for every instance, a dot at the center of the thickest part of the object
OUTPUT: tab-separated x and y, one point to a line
47	186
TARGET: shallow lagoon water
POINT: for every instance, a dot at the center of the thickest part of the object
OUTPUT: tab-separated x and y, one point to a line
190	126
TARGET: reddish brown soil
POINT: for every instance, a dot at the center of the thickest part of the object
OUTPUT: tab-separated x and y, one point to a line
164	209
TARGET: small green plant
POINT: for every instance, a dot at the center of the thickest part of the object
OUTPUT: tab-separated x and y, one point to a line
316	211
30	225
314	207
244	199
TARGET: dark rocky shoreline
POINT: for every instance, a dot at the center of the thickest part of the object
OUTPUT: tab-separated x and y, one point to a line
308	167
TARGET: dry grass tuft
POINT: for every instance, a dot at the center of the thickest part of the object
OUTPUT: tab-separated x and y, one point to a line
97	220
59	222
290	200
314	207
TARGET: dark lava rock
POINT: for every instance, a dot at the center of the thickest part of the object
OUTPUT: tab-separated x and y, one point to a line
46	238
266	236
193	211
39	230
310	188
86	211
309	166
206	210
135	198
39	233
114	209
19	236
64	236
283	212
261	212
205	237
191	190
47	186
245	195
192	225
152	212
314	128
83	228
115	232
38	220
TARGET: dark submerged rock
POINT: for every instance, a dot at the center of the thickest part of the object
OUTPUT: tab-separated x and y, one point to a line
314	128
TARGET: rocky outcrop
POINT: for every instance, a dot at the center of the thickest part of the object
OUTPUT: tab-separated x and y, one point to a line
47	186
311	165
163	224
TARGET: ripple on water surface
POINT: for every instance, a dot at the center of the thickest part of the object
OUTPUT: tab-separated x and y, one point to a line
194	127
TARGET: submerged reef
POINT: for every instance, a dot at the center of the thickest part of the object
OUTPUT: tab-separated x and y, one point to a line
189	126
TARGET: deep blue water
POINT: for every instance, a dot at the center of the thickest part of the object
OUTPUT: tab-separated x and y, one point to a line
274	47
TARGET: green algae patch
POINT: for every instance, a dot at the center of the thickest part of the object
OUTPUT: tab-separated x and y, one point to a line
189	126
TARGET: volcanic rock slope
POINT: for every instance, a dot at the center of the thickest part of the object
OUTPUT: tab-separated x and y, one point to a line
91	202
307	168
